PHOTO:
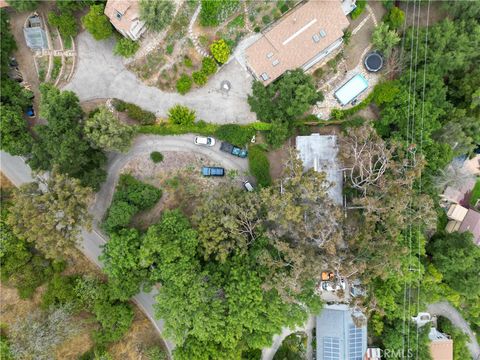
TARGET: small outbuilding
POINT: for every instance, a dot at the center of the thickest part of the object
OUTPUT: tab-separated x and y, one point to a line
351	89
34	33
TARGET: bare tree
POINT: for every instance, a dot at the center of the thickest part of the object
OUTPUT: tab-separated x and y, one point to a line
36	335
367	157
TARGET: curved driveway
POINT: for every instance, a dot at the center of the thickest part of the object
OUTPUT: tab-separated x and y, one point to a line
100	74
445	309
144	145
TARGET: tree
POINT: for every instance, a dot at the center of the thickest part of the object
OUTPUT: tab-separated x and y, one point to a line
157	14
23	5
16	139
184	84
121	259
126	47
51	215
286	99
220	51
293	347
61	141
181	115
385	39
38	334
65	22
97	23
395	18
446	250
394	339
367	157
105	131
228	222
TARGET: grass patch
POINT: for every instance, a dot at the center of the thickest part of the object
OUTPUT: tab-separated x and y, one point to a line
259	165
475	196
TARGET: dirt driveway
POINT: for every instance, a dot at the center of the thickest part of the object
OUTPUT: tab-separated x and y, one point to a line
100	74
142	148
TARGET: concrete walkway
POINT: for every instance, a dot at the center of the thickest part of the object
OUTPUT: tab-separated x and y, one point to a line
100	74
446	310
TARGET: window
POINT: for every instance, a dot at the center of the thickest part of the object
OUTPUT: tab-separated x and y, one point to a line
269	55
323	33
275	62
264	76
316	38
118	14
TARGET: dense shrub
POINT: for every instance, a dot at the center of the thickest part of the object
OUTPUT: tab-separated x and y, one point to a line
184	84
359	9
259	165
220	51
64	22
181	115
157	14
60	291
97	23
156	156
135	112
187	62
261	126
209	66
199	78
200	127
395	18
215	11
131	196
235	134
126	47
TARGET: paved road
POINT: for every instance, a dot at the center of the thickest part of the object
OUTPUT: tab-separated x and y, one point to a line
19	173
446	310
144	145
100	74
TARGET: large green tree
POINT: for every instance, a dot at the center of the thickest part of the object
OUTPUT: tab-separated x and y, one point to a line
51	214
15	138
97	23
157	14
384	39
105	131
446	251
285	99
23	5
61	142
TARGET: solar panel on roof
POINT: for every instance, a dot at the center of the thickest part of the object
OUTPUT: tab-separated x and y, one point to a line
355	348
331	348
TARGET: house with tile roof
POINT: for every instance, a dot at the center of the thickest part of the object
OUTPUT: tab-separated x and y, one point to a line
462	219
303	37
125	17
441	346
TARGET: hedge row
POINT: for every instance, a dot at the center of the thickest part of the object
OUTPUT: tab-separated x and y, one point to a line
236	134
135	112
259	165
339	114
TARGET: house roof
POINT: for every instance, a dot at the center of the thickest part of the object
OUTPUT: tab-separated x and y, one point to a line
337	335
130	10
457	212
296	38
471	223
320	153
442	349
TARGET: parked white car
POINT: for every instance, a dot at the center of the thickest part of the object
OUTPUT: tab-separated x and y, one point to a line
206	141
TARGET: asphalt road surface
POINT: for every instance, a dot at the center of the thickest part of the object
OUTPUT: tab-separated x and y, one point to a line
445	309
19	173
